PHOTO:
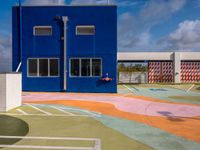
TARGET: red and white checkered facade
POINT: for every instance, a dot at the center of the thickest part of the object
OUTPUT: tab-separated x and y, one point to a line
160	72
190	71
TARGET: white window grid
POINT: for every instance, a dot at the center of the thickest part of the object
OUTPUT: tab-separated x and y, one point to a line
80	59
38	76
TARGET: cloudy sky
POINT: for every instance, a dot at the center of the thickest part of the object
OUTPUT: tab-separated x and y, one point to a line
143	25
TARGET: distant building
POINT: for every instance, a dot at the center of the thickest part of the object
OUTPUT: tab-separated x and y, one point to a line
66	48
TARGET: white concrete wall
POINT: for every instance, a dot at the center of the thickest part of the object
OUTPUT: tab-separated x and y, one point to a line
156	56
2	92
190	56
144	56
177	67
10	91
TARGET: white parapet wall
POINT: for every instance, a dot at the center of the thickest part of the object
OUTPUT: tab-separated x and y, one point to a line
10	91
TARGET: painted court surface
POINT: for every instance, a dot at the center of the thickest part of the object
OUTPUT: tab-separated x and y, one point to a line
138	117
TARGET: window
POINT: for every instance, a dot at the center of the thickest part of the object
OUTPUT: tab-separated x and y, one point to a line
42	30
96	67
85	30
53	67
74	71
85	67
32	67
43	67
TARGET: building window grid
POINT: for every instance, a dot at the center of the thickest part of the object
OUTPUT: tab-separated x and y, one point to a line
42	34
38	67
92	27
80	63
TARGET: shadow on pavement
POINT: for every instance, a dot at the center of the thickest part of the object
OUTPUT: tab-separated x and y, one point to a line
12	126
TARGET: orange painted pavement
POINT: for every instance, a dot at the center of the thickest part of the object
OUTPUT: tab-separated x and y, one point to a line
131	95
188	128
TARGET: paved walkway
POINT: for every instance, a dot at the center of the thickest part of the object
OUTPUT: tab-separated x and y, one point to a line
126	104
179	119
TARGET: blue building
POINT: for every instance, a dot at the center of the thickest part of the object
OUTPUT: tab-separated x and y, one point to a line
66	48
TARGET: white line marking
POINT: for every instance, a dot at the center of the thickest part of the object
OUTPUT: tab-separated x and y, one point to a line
190	87
46	147
22	112
86	111
48	138
59	109
128	88
45	112
53	115
97	144
96	140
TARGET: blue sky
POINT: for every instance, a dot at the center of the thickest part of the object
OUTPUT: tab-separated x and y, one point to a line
143	25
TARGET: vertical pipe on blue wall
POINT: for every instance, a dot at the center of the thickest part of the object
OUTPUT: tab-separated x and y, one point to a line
20	36
65	19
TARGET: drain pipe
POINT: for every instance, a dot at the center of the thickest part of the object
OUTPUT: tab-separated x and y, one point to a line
20	35
65	19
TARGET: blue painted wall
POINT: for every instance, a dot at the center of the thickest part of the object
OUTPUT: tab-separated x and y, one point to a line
102	45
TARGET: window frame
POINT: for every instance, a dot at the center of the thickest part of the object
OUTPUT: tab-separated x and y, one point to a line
70	67
38	69
80	65
91	71
85	26
35	27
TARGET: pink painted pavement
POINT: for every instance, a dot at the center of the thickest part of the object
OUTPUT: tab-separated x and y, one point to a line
126	104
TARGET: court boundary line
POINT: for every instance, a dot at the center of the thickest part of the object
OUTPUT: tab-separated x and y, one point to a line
45	112
96	114
61	110
190	88
97	141
130	89
22	111
53	115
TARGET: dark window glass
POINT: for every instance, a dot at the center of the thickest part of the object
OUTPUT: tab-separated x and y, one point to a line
74	71
85	67
96	67
53	67
32	67
43	31
43	67
85	30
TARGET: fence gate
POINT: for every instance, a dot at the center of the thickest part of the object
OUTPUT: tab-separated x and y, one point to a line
160	72
190	71
132	77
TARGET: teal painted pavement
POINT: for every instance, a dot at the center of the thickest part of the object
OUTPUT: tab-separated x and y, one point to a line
163	93
148	135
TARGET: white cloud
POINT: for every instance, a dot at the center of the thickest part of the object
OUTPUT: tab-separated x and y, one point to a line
86	2
5	53
186	36
134	30
126	37
44	2
126	3
158	11
116	2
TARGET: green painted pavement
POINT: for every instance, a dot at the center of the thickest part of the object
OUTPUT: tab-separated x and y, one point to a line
167	94
148	135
